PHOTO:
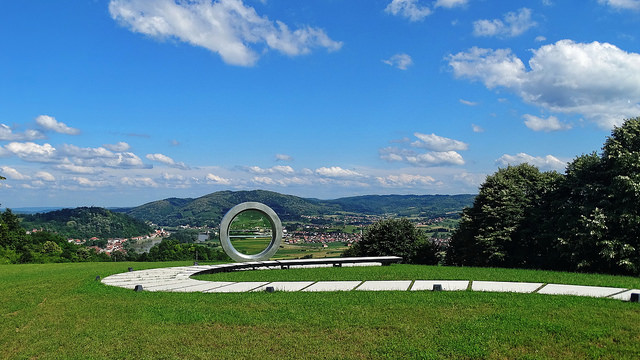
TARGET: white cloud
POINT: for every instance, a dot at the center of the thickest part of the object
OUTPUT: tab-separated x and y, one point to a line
13	174
215	179
164	159
83	181
438	143
400	61
121	146
280	169
404	180
7	134
467	102
30	151
450	3
283	157
596	80
622	4
264	180
409	9
43	175
548	162
50	123
549	124
514	24
336	172
477	128
138	182
540	38
76	169
227	27
436	158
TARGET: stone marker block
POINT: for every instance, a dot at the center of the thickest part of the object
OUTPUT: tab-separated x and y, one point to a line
635	297
437	287
447	285
138	288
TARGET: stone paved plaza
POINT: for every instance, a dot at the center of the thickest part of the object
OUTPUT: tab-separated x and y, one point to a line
178	279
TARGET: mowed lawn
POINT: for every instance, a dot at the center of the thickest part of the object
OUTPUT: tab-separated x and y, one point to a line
58	311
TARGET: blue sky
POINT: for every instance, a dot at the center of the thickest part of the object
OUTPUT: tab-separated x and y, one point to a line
122	102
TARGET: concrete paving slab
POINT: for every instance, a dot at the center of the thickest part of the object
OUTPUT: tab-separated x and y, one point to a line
238	287
399	285
625	296
447	285
333	286
505	286
362	264
286	285
204	286
579	290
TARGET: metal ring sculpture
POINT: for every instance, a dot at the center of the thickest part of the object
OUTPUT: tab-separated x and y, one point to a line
276	232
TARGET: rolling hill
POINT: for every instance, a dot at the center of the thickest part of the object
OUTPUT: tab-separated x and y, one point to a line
209	209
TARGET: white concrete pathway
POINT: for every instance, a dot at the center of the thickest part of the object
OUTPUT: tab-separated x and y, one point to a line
178	279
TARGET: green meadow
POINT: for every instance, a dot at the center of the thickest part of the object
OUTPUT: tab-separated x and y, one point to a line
60	311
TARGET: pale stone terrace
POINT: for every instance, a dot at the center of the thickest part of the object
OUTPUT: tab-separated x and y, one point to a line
178	279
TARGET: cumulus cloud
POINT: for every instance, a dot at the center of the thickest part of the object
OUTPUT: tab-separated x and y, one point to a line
226	27
83	181
450	3
121	146
29	151
76	169
43	175
596	80
138	182
404	180
438	143
409	9
337	172
50	123
13	174
514	24
547	125
432	158
400	61
622	4
215	179
548	162
279	169
283	157
7	134
164	159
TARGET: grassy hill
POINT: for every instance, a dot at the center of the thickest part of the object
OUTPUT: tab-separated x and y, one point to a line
59	311
209	209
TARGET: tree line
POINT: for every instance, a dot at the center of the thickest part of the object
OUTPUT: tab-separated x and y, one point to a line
587	219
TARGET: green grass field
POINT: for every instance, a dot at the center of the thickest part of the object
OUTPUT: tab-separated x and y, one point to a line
59	311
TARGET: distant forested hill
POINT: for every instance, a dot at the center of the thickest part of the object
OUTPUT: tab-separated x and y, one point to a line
86	222
209	209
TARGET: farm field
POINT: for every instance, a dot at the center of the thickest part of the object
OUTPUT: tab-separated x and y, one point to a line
54	311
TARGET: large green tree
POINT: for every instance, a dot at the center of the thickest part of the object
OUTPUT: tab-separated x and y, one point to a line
396	237
497	229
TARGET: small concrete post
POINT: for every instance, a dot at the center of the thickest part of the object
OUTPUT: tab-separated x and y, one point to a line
98	278
437	287
269	289
130	269
635	297
138	288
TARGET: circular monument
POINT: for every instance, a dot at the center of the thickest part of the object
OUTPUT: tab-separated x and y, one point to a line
247	228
